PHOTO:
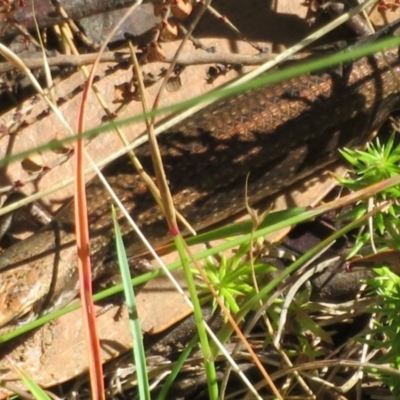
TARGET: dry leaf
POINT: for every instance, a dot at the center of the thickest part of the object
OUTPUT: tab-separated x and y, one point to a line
33	163
156	53
122	93
387	258
181	9
169	32
174	83
58	148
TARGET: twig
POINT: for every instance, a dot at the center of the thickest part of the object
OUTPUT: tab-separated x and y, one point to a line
194	59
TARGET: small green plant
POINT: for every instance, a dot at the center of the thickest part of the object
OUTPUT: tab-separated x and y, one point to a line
385	333
232	278
377	162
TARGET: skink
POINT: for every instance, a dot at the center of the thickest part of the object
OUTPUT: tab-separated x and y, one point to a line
279	134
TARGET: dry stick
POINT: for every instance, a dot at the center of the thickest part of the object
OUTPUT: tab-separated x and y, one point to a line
111	56
136	162
232	27
166	198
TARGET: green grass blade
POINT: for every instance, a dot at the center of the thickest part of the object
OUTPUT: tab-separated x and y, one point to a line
134	322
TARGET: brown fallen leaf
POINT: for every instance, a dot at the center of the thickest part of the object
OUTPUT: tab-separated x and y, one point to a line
387	258
159	304
57	352
33	163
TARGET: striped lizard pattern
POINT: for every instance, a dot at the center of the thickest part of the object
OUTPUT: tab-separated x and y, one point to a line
277	134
